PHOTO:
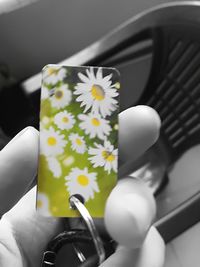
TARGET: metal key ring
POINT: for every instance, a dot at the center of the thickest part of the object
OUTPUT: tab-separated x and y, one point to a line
77	204
79	236
73	237
68	237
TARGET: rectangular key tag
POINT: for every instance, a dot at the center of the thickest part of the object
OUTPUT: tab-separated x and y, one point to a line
78	138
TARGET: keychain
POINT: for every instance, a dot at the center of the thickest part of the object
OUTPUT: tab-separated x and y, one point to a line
79	235
78	163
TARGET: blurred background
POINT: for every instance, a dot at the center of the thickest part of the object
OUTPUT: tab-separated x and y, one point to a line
39	32
35	32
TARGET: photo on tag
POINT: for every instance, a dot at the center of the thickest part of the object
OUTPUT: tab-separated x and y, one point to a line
78	138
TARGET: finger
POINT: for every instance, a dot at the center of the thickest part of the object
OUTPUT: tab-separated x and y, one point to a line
129	212
32	231
151	254
18	165
138	130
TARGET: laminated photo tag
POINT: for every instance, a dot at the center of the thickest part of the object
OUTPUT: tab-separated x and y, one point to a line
78	138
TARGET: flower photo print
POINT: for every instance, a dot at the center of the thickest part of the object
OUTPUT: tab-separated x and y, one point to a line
78	138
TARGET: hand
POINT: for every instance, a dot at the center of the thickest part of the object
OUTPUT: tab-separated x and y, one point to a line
24	234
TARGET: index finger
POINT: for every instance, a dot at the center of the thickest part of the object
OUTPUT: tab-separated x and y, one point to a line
139	129
18	165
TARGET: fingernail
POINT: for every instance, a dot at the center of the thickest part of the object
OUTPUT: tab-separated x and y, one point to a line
18	135
154	112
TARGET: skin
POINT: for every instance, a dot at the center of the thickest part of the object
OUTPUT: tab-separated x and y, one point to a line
24	233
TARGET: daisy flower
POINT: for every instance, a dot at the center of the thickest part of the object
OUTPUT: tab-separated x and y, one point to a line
64	120
104	155
53	74
43	204
94	125
54	166
78	143
62	96
82	182
52	143
96	92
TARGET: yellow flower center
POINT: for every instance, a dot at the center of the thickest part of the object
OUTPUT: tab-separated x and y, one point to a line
108	156
97	92
95	122
51	141
39	204
83	180
65	119
52	71
58	94
79	141
111	158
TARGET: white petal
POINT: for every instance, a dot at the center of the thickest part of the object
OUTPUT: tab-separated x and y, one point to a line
83	77
99	74
54	166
